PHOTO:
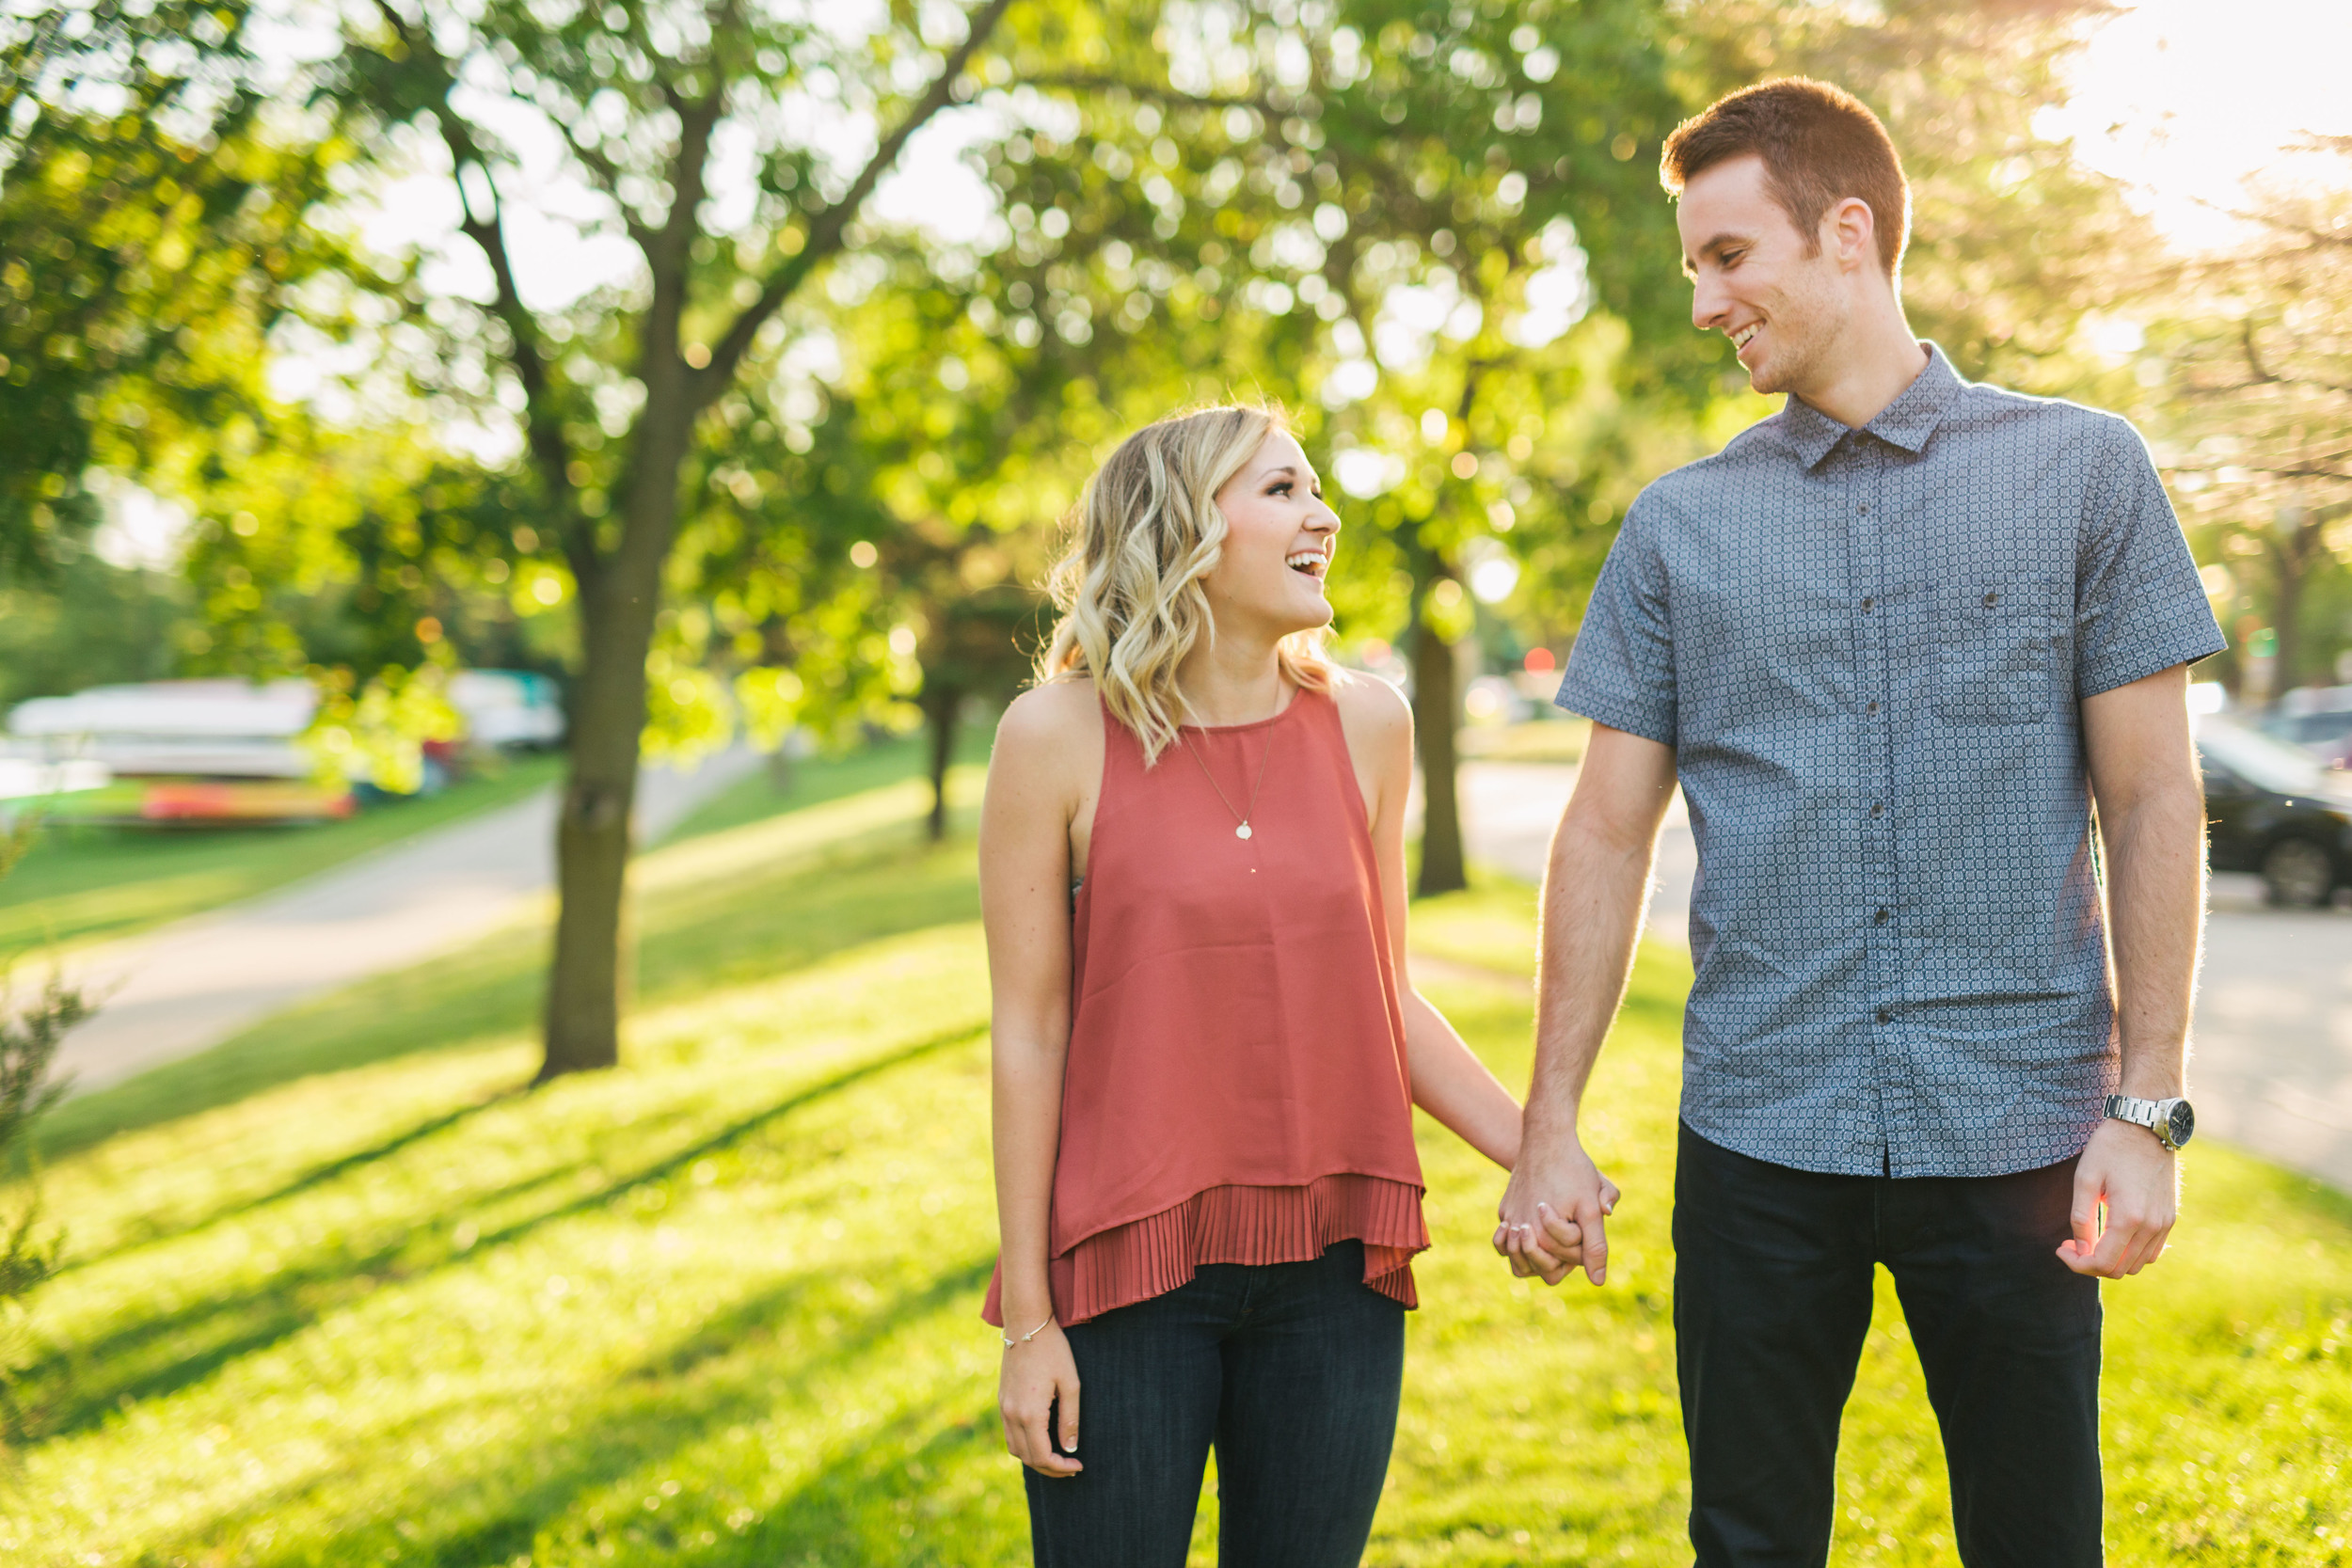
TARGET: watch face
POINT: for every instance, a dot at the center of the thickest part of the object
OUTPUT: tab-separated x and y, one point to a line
2181	1123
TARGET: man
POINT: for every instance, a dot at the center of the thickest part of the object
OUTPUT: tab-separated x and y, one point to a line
1893	641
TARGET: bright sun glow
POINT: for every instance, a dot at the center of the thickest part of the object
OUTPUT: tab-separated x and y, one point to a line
2182	99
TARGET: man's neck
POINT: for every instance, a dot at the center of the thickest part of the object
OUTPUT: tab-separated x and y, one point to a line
1875	365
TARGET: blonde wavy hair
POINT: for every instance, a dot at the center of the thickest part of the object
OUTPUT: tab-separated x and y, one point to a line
1147	530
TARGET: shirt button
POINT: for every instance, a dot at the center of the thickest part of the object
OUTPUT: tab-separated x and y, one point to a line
1878	808
1864	507
1872	709
1866	604
1991	599
1882	916
1887	1015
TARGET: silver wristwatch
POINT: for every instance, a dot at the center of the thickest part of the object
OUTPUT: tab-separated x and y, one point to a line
2171	1121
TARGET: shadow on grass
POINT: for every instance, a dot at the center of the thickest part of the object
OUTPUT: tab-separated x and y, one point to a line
315	1177
71	1391
486	1505
765	924
874	1503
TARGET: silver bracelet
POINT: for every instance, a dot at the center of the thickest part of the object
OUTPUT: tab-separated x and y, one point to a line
1010	1342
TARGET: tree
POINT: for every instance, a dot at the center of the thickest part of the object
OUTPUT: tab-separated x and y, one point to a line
677	118
150	233
90	623
2260	367
1434	197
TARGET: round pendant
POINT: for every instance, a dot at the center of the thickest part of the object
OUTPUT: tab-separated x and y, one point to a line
1241	831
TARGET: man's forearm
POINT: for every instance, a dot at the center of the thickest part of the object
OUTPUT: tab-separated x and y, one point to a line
2156	906
1595	890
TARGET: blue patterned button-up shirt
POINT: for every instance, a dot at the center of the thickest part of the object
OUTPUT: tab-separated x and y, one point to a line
1869	649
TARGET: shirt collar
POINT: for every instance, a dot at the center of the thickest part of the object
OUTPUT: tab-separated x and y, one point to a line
1906	423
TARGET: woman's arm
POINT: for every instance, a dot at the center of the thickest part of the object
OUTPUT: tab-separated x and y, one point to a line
1024	903
1448	1081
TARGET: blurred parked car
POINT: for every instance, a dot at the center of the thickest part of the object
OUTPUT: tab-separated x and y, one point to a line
2319	719
511	709
188	752
2276	811
192	752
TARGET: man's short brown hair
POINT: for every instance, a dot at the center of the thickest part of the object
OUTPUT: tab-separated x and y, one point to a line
1819	145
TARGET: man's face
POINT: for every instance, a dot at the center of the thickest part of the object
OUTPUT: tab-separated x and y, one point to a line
1754	281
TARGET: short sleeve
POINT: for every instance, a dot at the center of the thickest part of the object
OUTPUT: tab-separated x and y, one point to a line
2139	604
1621	672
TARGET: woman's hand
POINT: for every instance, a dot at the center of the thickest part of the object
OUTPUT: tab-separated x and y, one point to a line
1040	1374
1548	1257
1544	1240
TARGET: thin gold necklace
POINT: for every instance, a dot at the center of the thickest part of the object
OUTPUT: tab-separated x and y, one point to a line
1240	817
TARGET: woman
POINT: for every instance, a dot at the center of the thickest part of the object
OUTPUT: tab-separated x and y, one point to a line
1192	870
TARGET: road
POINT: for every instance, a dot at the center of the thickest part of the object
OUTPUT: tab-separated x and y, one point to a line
2273	1034
194	982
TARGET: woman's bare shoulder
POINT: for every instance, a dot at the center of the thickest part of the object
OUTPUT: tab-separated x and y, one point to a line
1370	707
1059	720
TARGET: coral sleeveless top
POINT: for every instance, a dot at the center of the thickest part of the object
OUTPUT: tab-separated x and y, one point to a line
1235	1089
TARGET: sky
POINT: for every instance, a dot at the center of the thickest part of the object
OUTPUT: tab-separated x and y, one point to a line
2181	99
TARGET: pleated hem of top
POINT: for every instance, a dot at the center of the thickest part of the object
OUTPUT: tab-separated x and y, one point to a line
1155	1255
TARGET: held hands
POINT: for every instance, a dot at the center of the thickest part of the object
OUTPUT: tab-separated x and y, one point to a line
1554	1215
1040	1385
2126	1173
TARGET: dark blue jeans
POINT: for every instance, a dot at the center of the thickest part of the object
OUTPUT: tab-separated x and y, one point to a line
1773	1280
1289	1370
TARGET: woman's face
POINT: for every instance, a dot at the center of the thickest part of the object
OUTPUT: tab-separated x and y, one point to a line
1277	544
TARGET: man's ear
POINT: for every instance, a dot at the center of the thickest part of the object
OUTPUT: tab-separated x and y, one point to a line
1852	231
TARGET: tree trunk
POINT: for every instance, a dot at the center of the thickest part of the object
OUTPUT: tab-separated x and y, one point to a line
1434	717
588	981
941	704
591	848
2295	551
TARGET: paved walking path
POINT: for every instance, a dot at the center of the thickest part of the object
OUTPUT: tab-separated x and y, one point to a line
2273	1065
194	982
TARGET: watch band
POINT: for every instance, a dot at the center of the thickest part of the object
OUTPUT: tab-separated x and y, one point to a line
2153	1115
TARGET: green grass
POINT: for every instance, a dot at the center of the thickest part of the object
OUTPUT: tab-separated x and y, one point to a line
376	1306
1558	738
80	884
814	780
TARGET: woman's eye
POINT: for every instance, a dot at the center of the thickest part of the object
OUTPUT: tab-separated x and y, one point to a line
1281	488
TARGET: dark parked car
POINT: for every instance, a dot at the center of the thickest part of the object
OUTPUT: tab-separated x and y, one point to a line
2276	811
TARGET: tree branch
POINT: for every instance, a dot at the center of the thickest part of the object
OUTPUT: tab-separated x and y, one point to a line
669	250
606	173
544	432
827	225
1158	92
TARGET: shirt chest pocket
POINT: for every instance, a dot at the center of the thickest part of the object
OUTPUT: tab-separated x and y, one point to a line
1995	643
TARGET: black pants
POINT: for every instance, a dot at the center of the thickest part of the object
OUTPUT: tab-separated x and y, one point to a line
1772	1289
1290	1371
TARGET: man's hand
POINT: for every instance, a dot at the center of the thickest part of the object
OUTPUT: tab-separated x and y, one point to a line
2129	1178
1555	1214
